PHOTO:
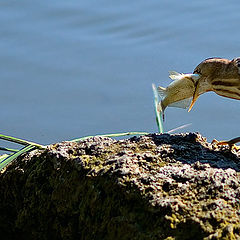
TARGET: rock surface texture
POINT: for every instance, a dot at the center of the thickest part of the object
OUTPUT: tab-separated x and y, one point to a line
143	188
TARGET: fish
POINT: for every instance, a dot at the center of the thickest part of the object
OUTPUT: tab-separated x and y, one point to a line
178	93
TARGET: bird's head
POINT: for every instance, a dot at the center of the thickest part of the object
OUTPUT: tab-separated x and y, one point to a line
207	70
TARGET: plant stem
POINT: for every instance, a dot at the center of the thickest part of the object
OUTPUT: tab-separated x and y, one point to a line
110	135
8	149
21	141
5	161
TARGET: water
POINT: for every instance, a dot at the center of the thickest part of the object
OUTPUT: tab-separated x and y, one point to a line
76	68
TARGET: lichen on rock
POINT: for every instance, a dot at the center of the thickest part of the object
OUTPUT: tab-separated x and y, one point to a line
157	186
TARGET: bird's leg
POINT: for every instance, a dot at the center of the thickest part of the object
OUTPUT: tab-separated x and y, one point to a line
230	143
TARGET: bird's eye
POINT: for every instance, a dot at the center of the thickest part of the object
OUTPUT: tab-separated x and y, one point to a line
197	71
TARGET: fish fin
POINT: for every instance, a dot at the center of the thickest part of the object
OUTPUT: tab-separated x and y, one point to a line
162	92
185	103
175	75
178	76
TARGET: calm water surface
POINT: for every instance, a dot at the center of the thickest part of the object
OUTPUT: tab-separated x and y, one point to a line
75	68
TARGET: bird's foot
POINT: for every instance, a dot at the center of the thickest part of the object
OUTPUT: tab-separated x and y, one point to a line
230	143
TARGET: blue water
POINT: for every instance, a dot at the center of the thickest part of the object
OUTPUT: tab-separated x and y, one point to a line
75	68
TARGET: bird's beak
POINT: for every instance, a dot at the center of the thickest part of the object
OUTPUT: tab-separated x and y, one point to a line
195	94
195	97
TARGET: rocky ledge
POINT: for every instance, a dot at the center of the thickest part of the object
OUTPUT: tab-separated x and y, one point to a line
157	186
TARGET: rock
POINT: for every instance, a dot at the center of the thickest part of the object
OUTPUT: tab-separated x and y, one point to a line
157	186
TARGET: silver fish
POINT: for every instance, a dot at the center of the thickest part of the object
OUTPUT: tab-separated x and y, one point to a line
179	93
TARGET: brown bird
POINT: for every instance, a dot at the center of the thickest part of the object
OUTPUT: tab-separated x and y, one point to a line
221	76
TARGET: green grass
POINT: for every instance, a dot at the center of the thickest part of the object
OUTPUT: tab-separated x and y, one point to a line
5	159
110	135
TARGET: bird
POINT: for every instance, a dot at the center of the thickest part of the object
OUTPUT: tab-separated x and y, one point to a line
221	76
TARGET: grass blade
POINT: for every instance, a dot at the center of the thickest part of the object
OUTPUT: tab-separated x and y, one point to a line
8	149
111	135
180	127
21	141
4	161
157	113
